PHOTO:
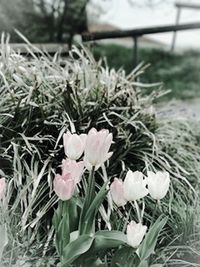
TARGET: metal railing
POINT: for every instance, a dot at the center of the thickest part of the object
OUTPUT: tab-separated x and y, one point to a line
180	6
136	33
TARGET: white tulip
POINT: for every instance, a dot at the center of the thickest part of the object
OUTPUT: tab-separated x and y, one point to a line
158	184
134	186
74	145
135	233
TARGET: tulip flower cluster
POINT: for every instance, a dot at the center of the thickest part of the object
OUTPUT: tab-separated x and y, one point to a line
75	223
95	147
135	187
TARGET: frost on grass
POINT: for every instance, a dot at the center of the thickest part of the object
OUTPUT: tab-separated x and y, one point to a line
40	96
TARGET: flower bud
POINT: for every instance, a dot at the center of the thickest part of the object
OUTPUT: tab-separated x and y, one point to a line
134	186
74	145
135	233
64	186
158	184
117	192
97	147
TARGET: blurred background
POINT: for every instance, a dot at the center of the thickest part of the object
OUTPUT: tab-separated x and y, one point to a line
174	58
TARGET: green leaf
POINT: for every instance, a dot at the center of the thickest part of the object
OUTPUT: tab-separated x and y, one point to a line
74	235
94	263
157	265
109	239
148	245
65	230
61	225
87	221
55	220
74	214
143	264
3	239
125	257
76	248
97	201
58	213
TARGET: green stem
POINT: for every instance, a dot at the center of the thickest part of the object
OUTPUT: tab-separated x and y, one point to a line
91	188
143	208
90	194
138	211
159	205
63	231
154	213
60	209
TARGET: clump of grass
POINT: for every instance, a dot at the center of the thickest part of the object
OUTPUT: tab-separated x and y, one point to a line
41	97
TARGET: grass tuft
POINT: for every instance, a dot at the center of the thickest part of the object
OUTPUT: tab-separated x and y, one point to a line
40	97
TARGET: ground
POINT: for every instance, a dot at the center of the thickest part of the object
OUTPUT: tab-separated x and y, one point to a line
181	108
179	72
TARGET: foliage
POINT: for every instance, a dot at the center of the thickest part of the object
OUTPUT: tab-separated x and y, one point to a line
50	20
38	99
43	20
178	72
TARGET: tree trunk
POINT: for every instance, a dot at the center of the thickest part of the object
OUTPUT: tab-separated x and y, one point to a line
61	22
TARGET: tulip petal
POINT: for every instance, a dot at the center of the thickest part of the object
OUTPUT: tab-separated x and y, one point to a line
74	145
64	186
75	169
135	233
134	186
97	147
117	192
158	184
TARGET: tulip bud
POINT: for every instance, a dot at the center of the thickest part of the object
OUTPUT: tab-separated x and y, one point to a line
158	184
117	192
2	188
74	145
134	186
75	169
135	233
97	147
64	186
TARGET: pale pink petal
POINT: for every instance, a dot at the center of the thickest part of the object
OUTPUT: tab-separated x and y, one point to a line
83	139
117	192
64	186
97	147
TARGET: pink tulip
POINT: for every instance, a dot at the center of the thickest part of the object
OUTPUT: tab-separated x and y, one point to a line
64	186
74	145
97	147
135	233
75	169
117	192
2	188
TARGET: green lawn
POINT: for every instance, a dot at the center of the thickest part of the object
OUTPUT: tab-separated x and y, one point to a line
179	72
